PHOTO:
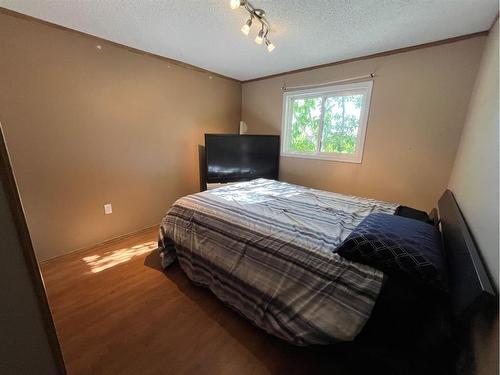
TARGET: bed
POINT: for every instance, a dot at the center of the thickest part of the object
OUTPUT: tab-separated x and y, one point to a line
271	251
266	248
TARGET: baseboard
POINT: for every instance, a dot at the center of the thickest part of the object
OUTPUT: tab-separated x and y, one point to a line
104	243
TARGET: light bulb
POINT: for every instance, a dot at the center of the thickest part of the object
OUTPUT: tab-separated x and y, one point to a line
260	37
246	27
270	46
235	4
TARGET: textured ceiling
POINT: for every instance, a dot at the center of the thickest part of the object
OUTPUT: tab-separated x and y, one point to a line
206	33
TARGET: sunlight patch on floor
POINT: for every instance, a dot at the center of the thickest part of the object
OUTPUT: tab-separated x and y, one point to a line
98	263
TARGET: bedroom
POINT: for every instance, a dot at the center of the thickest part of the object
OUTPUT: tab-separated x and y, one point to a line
104	109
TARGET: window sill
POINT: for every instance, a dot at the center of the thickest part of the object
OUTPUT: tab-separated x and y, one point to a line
347	159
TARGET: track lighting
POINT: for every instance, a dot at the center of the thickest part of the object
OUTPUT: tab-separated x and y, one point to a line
259	15
245	29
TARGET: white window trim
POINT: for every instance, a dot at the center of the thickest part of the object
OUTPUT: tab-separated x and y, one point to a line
346	89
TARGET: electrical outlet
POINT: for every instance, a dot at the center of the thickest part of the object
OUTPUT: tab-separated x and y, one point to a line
108	209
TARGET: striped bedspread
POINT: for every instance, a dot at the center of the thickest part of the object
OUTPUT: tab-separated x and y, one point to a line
267	249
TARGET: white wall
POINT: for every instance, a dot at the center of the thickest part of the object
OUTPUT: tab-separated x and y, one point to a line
474	179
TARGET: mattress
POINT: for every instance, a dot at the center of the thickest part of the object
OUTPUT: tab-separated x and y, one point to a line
267	249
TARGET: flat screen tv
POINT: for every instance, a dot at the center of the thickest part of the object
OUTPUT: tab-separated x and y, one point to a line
232	158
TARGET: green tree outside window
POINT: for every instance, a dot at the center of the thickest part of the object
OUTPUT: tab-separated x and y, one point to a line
341	115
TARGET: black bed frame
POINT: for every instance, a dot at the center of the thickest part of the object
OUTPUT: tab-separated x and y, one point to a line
470	287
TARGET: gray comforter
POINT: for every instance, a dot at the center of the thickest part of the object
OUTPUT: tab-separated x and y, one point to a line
267	249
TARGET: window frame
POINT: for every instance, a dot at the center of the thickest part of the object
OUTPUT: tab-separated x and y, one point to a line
357	88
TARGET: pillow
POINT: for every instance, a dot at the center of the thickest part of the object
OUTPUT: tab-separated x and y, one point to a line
412	213
398	246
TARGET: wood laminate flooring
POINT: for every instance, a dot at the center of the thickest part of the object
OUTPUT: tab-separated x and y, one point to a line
117	312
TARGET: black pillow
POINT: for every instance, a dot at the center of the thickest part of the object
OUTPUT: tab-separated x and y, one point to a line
413	213
398	246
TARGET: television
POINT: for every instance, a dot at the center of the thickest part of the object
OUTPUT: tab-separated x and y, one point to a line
233	157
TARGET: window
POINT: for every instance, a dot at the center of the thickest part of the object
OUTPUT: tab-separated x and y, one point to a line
326	123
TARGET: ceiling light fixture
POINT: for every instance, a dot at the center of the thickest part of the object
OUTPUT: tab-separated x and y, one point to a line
259	15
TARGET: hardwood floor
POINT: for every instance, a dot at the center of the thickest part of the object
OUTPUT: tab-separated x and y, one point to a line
116	312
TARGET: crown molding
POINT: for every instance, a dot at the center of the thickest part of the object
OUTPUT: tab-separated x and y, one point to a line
109	42
372	56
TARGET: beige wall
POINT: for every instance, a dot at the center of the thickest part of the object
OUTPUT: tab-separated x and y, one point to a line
418	108
86	127
474	182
